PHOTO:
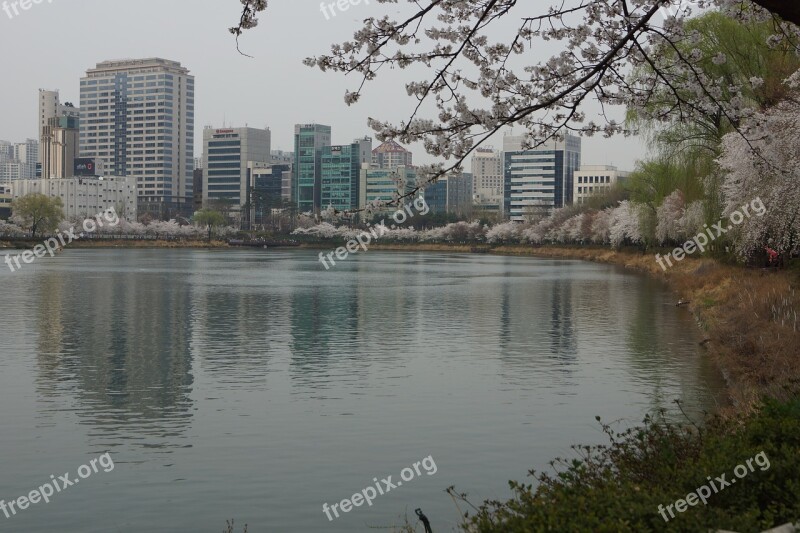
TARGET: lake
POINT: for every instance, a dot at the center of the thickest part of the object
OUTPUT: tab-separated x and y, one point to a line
256	385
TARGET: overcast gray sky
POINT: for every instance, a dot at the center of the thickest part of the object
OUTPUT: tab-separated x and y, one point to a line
53	43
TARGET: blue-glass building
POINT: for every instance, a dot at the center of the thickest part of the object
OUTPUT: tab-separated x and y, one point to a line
340	176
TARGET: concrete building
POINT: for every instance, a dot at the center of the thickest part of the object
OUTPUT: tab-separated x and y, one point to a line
27	153
280	157
593	179
382	183
364	150
391	155
536	181
6	196
309	139
85	197
12	170
137	116
59	147
50	107
6	151
487	177
226	156
341	174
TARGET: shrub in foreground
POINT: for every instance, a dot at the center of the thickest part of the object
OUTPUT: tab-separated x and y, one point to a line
619	487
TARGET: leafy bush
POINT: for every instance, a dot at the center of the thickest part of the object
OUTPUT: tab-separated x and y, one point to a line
618	487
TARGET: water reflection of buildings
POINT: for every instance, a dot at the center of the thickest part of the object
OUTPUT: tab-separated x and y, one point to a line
123	360
538	322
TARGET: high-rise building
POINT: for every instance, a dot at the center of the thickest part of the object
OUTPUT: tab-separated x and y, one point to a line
341	174
227	155
391	155
309	139
13	170
279	157
459	194
594	179
436	196
59	147
6	151
450	194
267	190
137	116
364	150
538	180
487	177
382	184
50	106
27	156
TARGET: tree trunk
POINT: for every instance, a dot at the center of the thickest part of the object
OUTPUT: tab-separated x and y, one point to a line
788	11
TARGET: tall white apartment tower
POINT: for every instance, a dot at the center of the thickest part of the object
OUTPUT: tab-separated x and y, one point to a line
48	108
27	154
137	117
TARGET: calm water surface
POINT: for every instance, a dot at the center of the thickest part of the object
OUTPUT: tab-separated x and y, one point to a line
256	385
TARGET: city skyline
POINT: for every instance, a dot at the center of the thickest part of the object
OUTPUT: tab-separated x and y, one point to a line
233	90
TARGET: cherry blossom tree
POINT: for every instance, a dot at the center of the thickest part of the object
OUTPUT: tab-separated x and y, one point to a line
482	80
505	232
668	218
601	226
8	229
766	169
625	224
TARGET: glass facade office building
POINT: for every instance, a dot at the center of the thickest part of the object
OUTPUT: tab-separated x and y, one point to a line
539	180
226	155
309	139
341	167
383	183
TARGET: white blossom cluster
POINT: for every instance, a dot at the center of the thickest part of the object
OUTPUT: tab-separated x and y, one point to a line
170	229
766	165
615	52
454	232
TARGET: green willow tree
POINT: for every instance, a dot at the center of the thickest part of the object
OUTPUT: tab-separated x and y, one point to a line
37	212
209	218
751	70
752	73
